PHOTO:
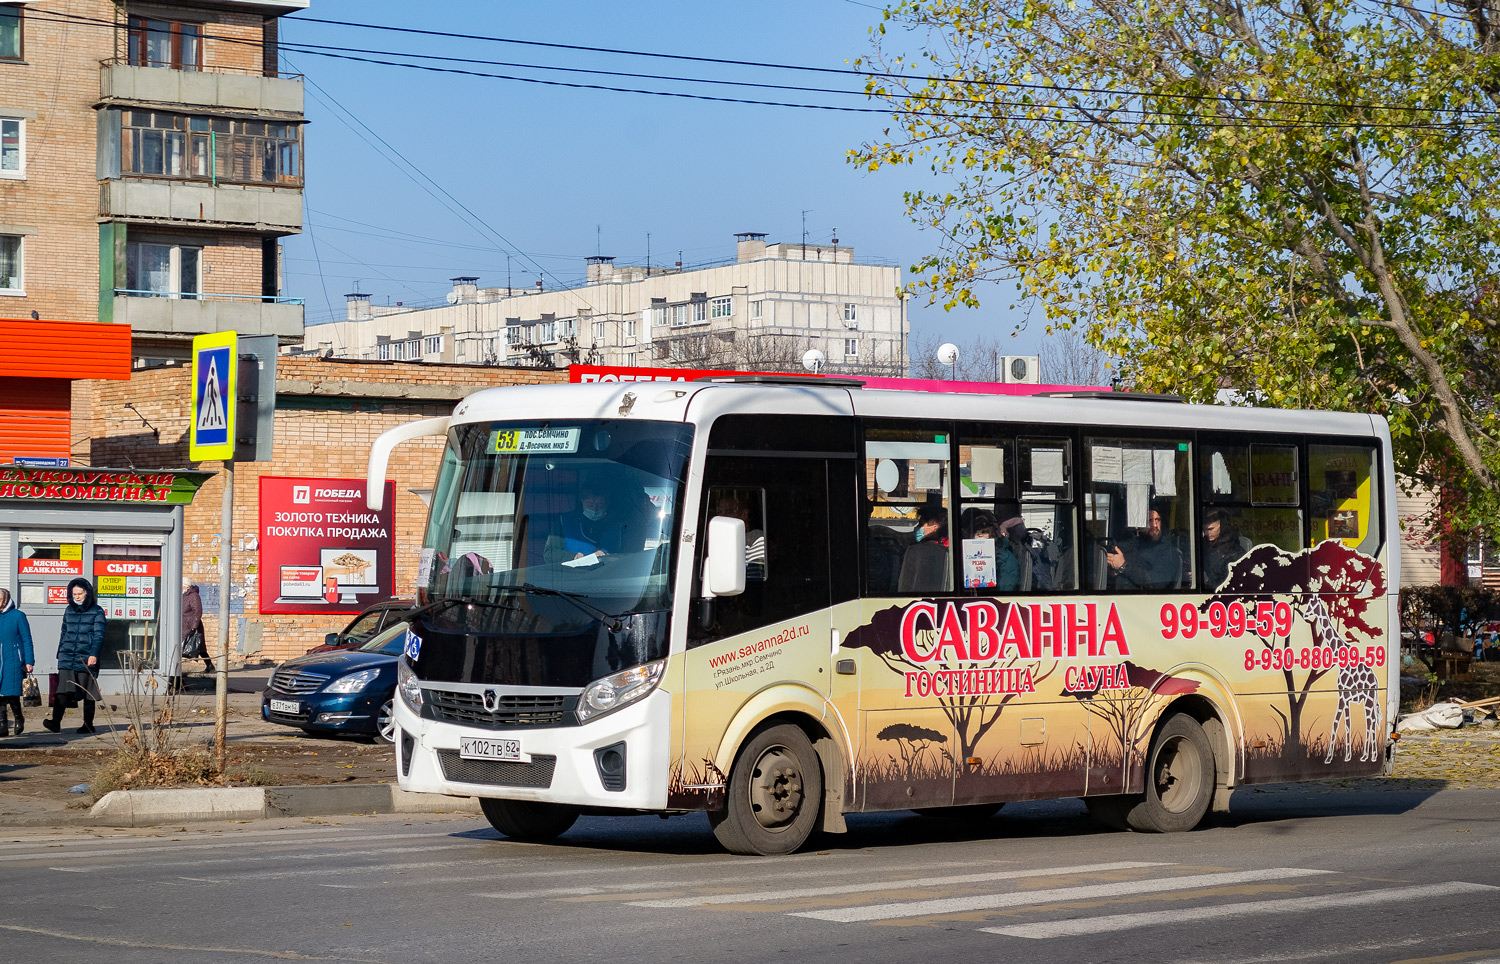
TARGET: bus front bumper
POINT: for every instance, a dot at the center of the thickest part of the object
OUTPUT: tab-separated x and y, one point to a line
559	764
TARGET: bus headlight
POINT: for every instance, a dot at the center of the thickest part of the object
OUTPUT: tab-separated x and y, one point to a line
408	685
613	692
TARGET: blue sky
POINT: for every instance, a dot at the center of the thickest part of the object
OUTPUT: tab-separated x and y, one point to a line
556	174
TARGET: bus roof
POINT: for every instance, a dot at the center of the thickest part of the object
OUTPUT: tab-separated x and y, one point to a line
705	401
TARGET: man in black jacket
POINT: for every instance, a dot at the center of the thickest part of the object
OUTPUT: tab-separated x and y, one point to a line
78	656
1149	562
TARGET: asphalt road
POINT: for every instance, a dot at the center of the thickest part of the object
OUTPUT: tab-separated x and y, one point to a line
1290	875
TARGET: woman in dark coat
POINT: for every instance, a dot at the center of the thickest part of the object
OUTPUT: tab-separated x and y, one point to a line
78	656
192	621
16	660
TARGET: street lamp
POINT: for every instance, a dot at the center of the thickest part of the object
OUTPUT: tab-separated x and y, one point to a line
947	354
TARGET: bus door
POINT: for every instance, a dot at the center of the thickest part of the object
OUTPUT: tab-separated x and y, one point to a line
777	632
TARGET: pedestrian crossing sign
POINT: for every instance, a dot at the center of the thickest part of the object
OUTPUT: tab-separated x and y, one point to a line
215	365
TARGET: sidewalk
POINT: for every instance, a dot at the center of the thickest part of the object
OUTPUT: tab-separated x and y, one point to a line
275	770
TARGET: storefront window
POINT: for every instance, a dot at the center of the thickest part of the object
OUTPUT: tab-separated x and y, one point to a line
128	582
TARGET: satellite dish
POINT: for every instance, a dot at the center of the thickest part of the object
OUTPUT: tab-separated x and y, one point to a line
452	297
812	360
947	353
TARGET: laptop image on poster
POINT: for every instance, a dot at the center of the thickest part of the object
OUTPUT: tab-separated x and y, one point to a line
302	585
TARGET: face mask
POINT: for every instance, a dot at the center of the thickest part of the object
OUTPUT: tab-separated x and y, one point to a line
921	533
593	515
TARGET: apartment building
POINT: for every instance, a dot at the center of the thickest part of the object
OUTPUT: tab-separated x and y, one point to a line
150	159
763	310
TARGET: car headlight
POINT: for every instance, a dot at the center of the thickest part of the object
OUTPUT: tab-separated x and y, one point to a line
408	685
613	692
352	683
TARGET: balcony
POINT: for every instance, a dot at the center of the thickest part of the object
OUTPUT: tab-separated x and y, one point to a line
274	210
214	88
186	315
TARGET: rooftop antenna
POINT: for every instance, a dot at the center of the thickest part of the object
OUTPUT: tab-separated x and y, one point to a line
804	233
648	254
508	292
598	240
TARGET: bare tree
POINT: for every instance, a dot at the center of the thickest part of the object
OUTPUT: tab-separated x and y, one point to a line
1066	358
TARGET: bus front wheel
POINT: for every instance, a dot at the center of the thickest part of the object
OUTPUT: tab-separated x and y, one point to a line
1179	783
528	820
775	790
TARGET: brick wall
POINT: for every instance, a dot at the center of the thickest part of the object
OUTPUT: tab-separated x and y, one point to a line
233	42
318	435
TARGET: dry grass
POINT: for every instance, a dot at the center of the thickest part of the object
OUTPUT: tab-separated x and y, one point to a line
151	749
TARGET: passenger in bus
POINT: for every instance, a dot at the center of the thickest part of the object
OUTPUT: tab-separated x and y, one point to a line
607	520
735	503
1007	569
927	565
1146	562
1222	544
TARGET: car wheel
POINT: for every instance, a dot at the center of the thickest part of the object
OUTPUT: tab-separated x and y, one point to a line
385	722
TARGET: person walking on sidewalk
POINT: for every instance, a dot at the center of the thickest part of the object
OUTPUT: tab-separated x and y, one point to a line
78	656
192	628
16	660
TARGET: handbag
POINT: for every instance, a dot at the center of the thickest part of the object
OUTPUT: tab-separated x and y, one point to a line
31	693
192	645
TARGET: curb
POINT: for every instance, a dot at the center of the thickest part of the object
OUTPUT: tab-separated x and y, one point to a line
143	808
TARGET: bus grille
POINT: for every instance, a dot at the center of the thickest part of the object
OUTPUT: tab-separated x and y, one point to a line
296	683
537	773
451	706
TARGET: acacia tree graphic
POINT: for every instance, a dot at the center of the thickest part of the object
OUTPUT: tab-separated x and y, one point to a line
1344	580
1123	710
972	715
912	742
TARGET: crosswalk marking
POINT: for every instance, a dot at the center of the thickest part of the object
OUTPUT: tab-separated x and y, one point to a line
1286	905
799	892
960	905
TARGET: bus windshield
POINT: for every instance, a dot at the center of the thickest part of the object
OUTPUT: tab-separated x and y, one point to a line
580	512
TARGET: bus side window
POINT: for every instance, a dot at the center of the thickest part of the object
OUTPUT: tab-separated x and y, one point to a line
1140	515
908	516
1344	481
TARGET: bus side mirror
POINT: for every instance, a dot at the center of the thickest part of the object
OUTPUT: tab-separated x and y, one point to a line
724	563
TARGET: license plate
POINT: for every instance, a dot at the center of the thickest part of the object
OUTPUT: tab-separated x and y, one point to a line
286	706
486	748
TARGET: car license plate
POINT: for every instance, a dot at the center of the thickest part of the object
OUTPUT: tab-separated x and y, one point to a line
486	748
286	706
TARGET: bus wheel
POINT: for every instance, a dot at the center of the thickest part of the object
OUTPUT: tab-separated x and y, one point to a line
527	820
968	813
775	790
1179	779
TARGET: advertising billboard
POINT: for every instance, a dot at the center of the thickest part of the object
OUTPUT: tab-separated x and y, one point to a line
321	549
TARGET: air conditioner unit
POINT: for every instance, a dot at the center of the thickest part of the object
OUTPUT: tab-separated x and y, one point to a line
1020	369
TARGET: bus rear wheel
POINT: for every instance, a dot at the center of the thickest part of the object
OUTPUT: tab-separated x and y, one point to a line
1179	783
775	791
528	820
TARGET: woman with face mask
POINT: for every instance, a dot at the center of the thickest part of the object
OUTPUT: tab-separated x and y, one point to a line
78	656
16	660
607	520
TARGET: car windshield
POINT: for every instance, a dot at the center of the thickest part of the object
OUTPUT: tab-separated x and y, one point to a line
391	642
547	514
363	627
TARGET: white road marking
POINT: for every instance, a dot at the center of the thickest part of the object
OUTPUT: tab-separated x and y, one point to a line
1287	905
867	886
961	905
168	847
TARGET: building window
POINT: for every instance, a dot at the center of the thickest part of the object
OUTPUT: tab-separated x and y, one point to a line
210	148
630	328
434	344
163	270
10	33
722	307
383	351
599	331
567	328
546	332
851	347
414	349
700	311
851	312
678	349
10	264
165	43
461	348
12	147
679	316
757	310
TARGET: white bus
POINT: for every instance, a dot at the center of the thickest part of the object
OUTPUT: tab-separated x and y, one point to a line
780	602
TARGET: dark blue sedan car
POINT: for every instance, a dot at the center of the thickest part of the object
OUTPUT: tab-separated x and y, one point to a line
347	691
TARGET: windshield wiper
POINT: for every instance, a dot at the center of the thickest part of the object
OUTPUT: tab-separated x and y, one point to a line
610	621
447	601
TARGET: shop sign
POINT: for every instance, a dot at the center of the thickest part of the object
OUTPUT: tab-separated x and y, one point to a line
57	595
127	567
70	550
628	373
111	585
322	550
99	485
49	567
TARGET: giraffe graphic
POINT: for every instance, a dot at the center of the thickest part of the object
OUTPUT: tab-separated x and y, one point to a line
1357	683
